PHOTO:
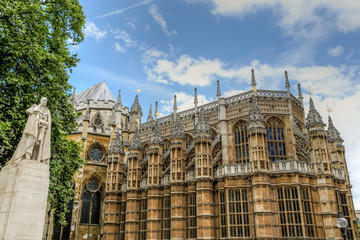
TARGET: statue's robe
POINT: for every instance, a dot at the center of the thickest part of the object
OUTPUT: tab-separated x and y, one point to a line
30	137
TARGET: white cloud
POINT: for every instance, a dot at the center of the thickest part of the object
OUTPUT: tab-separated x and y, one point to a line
154	12
311	19
187	70
336	51
147	28
119	48
232	92
184	101
91	30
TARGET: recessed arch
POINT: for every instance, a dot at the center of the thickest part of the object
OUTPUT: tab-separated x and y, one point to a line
241	142
275	134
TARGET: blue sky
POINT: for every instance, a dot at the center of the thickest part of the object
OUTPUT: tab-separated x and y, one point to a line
167	47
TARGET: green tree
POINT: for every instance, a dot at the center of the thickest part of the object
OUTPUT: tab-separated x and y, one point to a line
36	37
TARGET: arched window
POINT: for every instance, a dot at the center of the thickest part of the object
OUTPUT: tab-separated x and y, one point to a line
91	202
241	143
275	139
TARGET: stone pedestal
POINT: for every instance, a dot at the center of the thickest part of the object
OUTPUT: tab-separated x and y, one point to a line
23	198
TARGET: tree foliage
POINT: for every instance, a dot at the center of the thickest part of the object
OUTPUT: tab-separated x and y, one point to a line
35	61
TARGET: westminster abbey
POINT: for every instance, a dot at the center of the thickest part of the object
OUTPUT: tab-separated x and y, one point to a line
249	166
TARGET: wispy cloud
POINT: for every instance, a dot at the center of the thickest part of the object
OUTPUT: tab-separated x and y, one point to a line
154	12
122	10
309	19
119	48
336	51
184	102
91	30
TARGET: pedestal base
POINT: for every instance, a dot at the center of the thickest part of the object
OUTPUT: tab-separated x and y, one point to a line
23	198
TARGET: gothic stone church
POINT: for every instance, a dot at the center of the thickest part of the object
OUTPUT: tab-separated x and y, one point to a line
250	166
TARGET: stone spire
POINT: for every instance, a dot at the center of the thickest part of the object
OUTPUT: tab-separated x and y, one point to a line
313	118
135	142
117	145
253	81
150	116
218	94
287	84
136	106
155	137
255	119
118	102
333	133
202	125
300	96
156	110
74	93
196	101
175	108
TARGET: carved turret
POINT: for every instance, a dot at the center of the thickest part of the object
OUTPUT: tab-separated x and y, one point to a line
114	179
177	153
287	84
259	160
204	177
134	157
175	108
155	162
313	119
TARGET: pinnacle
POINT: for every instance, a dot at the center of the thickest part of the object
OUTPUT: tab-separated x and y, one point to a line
135	142
117	145
155	137
313	118
333	133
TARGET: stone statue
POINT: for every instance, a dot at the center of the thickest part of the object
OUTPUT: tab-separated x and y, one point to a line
35	141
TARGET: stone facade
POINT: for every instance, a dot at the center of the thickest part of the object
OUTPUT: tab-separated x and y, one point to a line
248	166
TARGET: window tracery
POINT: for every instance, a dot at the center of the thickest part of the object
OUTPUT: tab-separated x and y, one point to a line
91	202
275	139
241	143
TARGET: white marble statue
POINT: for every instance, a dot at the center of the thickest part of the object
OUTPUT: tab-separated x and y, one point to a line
35	141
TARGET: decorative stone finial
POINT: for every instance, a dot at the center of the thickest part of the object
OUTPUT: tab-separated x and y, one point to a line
175	108
300	96
156	110
195	99
150	116
287	84
155	137
313	118
253	81
333	133
117	145
119	98
202	126
255	119
178	130
135	142
218	94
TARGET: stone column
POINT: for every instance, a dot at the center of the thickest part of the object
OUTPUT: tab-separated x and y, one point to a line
23	199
